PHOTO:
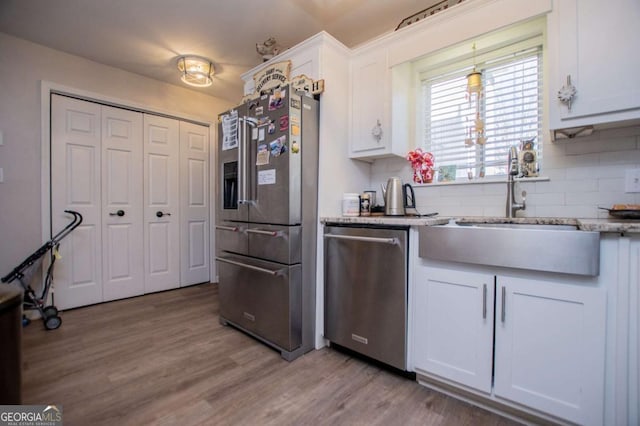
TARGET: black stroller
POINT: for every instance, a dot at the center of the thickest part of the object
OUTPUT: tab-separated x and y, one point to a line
31	301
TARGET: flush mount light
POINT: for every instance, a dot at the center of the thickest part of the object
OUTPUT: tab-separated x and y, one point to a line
196	70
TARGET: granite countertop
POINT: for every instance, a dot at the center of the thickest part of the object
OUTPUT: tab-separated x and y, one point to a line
598	225
387	220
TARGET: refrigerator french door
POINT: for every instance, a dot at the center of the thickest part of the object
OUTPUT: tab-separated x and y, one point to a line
267	219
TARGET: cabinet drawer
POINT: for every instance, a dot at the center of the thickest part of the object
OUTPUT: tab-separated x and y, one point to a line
276	243
231	237
263	298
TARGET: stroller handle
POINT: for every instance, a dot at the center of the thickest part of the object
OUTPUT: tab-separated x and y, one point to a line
77	220
18	270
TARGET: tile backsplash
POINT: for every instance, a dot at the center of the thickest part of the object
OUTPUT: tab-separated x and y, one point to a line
583	174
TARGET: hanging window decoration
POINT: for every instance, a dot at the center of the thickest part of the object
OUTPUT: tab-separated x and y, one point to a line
476	130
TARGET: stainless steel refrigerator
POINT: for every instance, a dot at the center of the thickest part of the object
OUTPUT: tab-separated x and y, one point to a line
266	223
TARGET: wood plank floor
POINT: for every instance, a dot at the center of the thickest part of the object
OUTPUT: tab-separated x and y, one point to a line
164	359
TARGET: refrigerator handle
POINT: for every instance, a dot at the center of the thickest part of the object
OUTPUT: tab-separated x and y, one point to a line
243	160
242	179
279	272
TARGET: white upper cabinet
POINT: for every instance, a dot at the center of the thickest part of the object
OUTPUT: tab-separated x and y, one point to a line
370	93
382	80
595	45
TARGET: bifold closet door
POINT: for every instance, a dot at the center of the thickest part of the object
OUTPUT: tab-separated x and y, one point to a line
122	205
194	203
75	185
161	205
141	183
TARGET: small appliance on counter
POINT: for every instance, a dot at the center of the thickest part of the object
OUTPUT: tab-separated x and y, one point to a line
372	197
396	197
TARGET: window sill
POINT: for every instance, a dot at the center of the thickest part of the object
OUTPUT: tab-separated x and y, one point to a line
478	181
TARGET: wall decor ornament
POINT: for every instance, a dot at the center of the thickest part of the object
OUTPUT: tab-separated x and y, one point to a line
425	13
273	76
268	49
528	158
476	131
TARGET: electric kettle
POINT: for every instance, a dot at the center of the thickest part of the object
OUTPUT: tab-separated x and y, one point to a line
396	197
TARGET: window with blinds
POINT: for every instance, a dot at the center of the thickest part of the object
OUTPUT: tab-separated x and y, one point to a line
511	108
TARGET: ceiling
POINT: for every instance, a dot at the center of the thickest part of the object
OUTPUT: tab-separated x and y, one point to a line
146	36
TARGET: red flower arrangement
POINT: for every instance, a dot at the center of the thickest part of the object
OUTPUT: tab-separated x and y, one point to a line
422	163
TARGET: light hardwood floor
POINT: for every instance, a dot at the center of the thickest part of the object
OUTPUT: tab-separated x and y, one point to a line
164	359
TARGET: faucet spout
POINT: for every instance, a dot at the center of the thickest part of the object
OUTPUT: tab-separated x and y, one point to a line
512	206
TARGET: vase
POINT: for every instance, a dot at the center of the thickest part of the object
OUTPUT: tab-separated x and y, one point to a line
423	176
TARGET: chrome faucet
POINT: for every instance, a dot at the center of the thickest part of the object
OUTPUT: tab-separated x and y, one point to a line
512	206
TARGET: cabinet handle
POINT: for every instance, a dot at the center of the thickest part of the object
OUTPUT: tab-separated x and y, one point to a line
484	301
227	228
567	93
504	303
376	131
118	213
160	214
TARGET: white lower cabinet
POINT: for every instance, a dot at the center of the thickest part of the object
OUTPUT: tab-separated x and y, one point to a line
453	325
550	347
633	415
541	349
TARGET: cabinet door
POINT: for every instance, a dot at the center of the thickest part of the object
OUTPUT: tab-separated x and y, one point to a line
550	347
597	45
161	206
634	332
453	325
370	105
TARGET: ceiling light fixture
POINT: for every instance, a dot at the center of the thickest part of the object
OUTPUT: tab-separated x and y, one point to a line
196	70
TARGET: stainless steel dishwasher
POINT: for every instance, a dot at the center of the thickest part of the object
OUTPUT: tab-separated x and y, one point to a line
365	281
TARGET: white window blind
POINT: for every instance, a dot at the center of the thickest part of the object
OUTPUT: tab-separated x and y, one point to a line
511	109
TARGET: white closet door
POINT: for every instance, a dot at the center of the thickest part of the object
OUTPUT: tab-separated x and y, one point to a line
75	185
194	203
161	205
122	230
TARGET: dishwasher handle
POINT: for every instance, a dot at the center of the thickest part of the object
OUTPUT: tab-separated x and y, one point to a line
393	241
253	268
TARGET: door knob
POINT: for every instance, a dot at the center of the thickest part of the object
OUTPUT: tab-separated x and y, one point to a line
160	214
118	213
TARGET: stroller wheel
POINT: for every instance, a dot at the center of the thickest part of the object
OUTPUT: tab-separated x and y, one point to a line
50	311
53	322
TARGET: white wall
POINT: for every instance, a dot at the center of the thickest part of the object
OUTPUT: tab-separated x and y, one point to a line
584	173
22	67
